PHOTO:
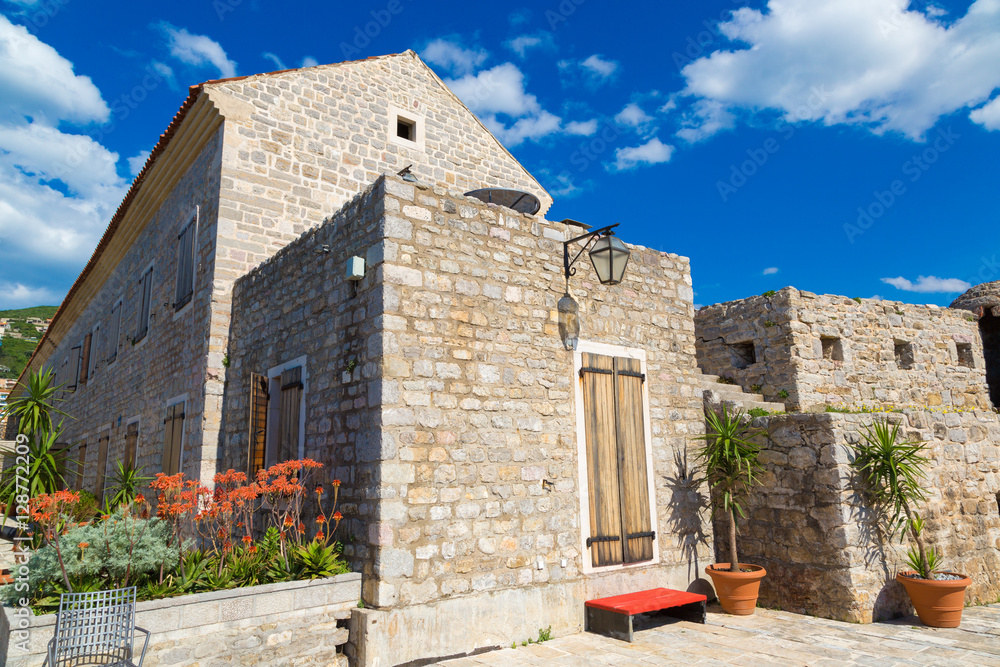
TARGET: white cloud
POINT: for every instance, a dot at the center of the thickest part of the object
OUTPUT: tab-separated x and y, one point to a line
524	43
988	115
704	119
600	68
583	128
770	271
452	57
18	295
137	162
632	115
652	152
563	186
198	50
278	62
36	81
873	63
531	127
929	284
496	90
309	61
57	189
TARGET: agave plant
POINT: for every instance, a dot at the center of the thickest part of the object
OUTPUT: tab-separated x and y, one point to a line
127	480
891	472
730	458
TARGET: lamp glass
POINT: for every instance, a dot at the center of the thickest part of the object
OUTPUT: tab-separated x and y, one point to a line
610	258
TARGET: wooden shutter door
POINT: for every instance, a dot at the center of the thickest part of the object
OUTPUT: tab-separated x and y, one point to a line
102	465
172	439
131	443
632	456
605	540
288	422
81	462
258	423
85	358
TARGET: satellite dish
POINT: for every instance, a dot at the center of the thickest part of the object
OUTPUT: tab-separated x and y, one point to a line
522	202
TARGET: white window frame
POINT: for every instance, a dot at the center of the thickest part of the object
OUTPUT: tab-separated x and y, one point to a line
120	305
419	140
274	408
587	566
182	398
195	220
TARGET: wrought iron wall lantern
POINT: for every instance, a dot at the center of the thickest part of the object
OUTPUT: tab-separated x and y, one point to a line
609	256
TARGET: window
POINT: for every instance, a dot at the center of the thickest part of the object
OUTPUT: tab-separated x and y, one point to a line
965	357
185	263
406	129
84	366
131	443
904	354
145	293
173	439
258	424
113	332
74	360
621	517
95	353
81	462
102	465
285	425
743	354
833	349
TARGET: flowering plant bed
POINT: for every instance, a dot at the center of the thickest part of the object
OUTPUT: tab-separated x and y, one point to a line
190	539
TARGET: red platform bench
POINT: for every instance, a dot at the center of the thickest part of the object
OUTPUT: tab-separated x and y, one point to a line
613	616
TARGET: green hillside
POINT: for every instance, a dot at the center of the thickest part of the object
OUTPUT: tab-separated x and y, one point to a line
14	352
44	312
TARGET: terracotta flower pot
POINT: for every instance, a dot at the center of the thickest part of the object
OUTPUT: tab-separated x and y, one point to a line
938	603
737	591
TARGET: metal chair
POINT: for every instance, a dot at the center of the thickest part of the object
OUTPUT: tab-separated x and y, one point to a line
96	628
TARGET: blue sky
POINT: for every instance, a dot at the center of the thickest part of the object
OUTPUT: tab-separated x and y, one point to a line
841	146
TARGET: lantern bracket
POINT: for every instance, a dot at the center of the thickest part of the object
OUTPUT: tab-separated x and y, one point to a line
590	237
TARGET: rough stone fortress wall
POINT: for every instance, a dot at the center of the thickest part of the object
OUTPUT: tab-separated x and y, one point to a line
456	430
811	350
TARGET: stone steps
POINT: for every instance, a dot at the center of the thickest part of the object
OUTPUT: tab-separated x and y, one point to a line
733	396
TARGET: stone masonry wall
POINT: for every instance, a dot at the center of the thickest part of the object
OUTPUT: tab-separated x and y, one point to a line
301	144
809	527
170	360
460	361
831	350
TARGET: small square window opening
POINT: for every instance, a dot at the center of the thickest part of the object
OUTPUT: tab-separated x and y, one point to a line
406	129
833	349
904	354
743	354
965	355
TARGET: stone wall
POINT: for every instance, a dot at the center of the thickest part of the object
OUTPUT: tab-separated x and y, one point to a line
170	360
469	486
812	531
297	622
831	350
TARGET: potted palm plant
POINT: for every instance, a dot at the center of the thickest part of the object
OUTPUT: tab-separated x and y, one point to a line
890	473
730	458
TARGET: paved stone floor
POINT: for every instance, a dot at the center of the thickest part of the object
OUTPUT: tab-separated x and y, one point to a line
768	638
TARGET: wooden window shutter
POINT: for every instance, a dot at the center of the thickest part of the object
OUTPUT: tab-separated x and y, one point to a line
185	266
602	460
145	294
95	352
81	462
113	332
74	360
131	443
85	358
620	514
258	423
288	421
102	466
172	439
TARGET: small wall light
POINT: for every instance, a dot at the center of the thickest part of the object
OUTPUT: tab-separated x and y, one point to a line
355	270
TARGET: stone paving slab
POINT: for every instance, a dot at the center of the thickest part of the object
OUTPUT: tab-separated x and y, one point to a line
768	638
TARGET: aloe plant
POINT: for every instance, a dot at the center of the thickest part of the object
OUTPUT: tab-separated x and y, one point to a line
730	458
891	472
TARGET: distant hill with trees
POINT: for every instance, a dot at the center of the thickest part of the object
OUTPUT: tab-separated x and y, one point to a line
15	352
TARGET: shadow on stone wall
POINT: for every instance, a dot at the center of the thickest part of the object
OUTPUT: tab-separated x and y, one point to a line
689	499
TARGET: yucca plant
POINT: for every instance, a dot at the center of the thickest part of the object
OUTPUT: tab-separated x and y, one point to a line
730	458
127	480
46	466
34	409
891	473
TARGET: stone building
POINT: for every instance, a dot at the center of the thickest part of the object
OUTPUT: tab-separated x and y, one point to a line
984	302
809	351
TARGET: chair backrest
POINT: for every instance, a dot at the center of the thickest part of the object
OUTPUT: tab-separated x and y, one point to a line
95	628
